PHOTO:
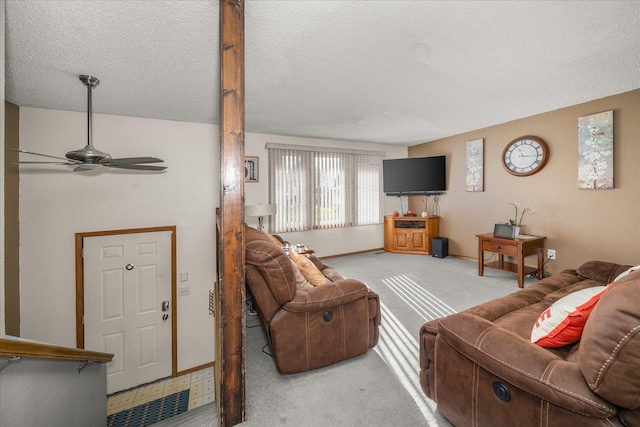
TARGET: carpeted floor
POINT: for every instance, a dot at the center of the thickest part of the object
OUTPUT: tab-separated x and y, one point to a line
418	288
380	388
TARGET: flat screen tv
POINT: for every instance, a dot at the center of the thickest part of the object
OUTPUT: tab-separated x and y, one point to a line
415	175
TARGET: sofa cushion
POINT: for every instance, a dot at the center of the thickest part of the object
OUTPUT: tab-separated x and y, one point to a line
610	345
518	311
562	323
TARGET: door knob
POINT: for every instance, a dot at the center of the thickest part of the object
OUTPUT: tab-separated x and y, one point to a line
165	305
165	316
129	267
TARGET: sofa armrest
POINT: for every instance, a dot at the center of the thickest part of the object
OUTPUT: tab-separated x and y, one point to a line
523	364
327	296
331	274
428	334
601	271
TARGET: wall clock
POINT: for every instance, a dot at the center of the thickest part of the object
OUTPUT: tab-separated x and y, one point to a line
525	155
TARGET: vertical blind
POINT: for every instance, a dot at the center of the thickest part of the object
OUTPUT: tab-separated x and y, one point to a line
316	188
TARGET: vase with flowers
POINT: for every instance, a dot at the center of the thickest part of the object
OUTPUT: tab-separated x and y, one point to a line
518	223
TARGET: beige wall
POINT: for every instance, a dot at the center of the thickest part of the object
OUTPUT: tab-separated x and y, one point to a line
580	224
12	230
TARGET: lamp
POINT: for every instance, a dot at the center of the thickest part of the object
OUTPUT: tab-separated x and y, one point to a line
260	211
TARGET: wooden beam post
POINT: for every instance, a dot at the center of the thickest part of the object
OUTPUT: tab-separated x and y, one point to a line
230	342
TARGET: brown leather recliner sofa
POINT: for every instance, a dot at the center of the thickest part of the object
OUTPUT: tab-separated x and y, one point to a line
312	327
482	369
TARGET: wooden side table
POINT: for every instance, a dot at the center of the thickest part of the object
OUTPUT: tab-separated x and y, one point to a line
518	248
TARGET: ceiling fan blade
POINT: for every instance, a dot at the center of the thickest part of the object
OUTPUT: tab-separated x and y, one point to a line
29	162
136	167
69	161
131	161
86	167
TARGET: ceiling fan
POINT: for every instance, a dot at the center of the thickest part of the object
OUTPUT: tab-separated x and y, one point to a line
89	157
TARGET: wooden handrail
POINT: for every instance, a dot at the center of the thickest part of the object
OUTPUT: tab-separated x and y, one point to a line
24	348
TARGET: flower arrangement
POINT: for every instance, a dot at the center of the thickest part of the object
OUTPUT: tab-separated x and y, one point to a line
515	221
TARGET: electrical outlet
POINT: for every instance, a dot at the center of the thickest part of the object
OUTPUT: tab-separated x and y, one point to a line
185	291
551	253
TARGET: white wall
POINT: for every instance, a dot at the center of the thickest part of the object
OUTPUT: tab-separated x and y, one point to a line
324	242
52	393
56	203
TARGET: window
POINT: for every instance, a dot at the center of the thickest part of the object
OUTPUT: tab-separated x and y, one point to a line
316	188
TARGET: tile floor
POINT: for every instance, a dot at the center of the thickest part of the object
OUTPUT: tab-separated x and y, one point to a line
200	383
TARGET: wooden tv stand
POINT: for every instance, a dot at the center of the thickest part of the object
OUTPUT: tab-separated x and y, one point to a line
410	234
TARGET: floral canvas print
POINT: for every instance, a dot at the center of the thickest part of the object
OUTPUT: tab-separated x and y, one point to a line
475	165
595	151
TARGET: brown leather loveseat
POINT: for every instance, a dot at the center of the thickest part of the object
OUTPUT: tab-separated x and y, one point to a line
308	327
482	369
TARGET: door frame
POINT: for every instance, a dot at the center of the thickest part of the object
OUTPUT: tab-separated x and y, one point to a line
80	285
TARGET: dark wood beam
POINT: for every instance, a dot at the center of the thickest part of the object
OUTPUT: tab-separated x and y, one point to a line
230	339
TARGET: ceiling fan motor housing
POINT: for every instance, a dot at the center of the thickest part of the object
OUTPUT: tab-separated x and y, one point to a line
88	154
89	80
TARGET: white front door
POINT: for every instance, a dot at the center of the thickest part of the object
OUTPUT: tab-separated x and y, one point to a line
128	305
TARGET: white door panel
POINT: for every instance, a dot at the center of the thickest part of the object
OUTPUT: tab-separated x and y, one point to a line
126	279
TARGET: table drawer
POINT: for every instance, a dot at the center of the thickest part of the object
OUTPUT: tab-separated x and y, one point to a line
500	248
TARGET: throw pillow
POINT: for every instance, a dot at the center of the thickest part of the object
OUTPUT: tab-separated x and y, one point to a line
301	282
563	322
624	273
308	269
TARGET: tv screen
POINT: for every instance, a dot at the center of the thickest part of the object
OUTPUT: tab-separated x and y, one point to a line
418	175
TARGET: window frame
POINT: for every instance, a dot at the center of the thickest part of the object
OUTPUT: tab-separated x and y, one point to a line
299	171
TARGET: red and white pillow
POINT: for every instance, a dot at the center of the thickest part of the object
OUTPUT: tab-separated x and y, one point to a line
563	322
624	273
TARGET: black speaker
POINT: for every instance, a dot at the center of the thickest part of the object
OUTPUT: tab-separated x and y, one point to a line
440	247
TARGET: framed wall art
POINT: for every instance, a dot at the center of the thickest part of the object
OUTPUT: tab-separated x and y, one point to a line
251	171
475	165
595	151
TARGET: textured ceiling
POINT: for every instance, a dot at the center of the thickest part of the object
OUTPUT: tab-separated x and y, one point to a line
400	72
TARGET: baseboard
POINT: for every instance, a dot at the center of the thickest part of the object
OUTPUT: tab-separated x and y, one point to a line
194	369
381	249
468	258
351	253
